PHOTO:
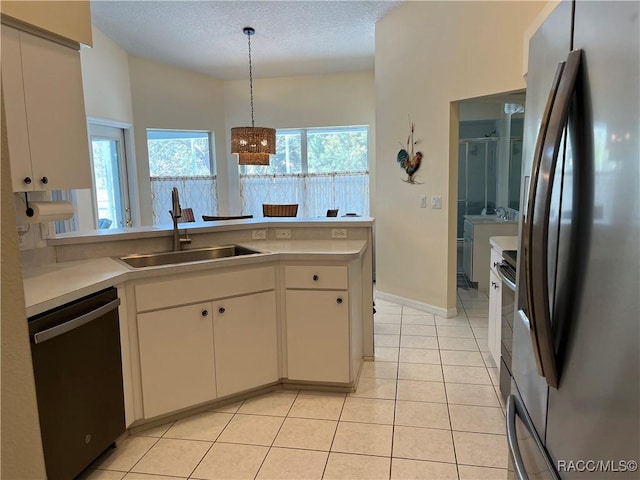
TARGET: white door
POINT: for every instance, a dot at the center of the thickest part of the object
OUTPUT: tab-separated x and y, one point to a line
110	180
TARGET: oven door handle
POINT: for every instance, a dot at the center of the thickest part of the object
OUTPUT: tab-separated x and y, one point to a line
506	280
77	322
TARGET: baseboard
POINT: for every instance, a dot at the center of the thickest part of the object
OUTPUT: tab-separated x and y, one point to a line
425	307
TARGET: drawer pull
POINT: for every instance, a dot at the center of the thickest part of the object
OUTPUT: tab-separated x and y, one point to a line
27	180
44	180
495	264
339	301
316	278
221	310
205	313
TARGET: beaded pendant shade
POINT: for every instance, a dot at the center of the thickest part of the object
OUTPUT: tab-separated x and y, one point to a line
253	145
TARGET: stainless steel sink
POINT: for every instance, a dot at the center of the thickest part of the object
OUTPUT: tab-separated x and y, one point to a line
137	260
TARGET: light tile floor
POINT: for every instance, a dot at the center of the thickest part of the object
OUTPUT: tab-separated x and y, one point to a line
428	408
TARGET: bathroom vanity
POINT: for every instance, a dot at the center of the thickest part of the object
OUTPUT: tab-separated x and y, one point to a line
476	250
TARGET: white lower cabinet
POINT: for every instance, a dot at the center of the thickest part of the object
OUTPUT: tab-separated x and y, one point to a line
318	335
246	343
176	358
208	335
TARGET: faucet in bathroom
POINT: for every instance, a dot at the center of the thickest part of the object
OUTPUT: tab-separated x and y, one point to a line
176	213
502	213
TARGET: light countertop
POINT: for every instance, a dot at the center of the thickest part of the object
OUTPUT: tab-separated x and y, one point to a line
504	243
476	219
52	285
132	233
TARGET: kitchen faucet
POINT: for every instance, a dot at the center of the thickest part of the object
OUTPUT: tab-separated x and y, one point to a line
176	213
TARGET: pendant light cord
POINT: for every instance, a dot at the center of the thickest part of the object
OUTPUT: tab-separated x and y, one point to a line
250	79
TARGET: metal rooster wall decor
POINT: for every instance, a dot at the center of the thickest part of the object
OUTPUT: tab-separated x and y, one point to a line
409	161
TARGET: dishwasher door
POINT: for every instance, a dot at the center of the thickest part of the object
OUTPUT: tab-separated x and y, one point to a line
78	374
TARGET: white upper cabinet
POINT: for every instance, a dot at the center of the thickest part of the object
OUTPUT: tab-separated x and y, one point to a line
45	116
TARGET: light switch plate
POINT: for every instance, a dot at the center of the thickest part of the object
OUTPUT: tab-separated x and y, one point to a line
283	233
423	201
436	201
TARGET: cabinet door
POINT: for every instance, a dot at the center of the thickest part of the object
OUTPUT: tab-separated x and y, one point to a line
55	112
318	335
14	111
495	319
246	343
176	358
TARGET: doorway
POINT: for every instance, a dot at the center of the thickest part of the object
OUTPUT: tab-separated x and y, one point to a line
111	197
489	161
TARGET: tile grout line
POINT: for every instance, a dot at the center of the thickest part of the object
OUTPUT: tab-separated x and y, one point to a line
333	439
216	439
145	453
277	433
395	400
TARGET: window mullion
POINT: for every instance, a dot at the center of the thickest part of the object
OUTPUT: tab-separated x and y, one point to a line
304	167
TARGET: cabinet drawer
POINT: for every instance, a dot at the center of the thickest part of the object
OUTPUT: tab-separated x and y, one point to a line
496	260
198	288
316	277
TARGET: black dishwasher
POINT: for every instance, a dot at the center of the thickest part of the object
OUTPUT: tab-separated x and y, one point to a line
78	374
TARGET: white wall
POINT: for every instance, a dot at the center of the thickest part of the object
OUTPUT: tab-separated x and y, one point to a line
299	102
167	97
107	96
428	55
105	80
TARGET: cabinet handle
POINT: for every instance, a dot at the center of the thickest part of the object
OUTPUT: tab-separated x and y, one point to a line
495	264
316	278
205	313
221	310
339	301
44	180
27	180
494	284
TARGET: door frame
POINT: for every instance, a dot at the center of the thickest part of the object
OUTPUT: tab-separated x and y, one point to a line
130	164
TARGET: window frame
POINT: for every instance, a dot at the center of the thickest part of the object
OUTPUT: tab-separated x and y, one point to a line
212	158
304	158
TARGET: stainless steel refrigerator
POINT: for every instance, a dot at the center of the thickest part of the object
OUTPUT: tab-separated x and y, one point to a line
574	408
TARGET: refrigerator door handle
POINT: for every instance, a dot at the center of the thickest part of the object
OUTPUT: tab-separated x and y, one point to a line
525	306
515	407
539	308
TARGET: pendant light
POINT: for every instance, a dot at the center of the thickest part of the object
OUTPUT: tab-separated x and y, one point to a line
253	145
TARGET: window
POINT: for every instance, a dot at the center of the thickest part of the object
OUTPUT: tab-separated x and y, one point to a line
181	159
317	168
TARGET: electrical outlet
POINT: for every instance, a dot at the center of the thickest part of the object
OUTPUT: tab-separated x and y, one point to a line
338	233
22	241
436	201
44	231
26	239
283	233
258	234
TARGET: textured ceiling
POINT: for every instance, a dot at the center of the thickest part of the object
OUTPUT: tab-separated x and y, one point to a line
301	37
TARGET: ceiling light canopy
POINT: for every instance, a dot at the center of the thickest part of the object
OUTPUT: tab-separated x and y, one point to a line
253	145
